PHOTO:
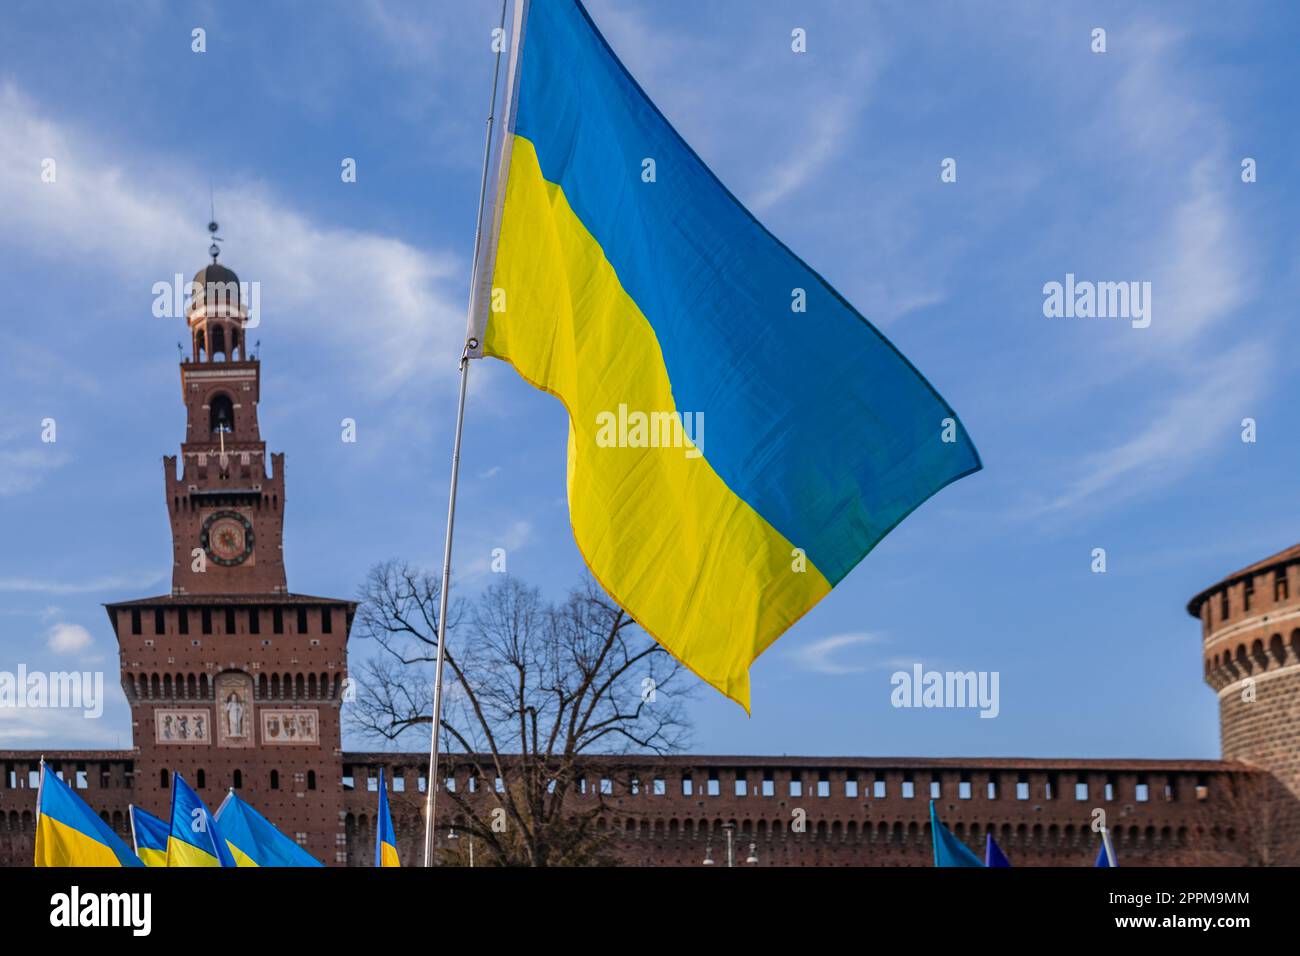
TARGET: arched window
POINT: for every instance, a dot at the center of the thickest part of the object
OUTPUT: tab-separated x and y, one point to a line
311	779
275	780
221	414
239	779
201	779
219	342
164	780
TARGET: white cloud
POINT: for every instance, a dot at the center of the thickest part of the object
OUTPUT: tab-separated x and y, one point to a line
814	148
1176	435
1197	262
68	638
410	35
1201	275
826	134
818	656
61	728
391	306
517	535
22	469
117	582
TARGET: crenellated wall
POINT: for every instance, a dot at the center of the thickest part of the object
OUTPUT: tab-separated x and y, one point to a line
856	811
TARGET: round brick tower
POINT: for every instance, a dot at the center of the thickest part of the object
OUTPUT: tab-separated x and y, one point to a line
1250	624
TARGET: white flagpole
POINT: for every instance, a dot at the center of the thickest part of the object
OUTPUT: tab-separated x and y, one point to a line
1110	849
471	349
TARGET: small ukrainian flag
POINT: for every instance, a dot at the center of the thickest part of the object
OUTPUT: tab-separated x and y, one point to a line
68	833
385	838
150	836
254	841
948	850
195	839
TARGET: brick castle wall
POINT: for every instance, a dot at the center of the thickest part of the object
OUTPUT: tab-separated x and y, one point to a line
671	812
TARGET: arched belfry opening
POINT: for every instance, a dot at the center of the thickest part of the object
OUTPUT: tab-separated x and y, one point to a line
221	414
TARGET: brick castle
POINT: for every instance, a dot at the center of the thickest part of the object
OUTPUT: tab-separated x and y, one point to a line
234	681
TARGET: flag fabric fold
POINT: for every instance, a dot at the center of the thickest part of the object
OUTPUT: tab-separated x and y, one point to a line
993	855
69	833
253	840
385	837
627	281
150	836
948	850
194	838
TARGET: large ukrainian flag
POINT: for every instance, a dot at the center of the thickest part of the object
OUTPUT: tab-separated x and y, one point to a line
624	278
68	833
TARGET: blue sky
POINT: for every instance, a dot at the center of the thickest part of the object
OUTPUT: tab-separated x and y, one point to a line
1122	166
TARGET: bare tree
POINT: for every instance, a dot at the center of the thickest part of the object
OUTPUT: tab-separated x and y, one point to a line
1249	818
1256	823
541	699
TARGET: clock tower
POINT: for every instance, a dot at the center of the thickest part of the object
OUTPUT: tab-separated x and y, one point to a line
226	500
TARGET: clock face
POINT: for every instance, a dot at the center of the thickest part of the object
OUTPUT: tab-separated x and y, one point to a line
227	537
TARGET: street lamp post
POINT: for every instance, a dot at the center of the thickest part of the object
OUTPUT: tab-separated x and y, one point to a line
453	835
730	829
